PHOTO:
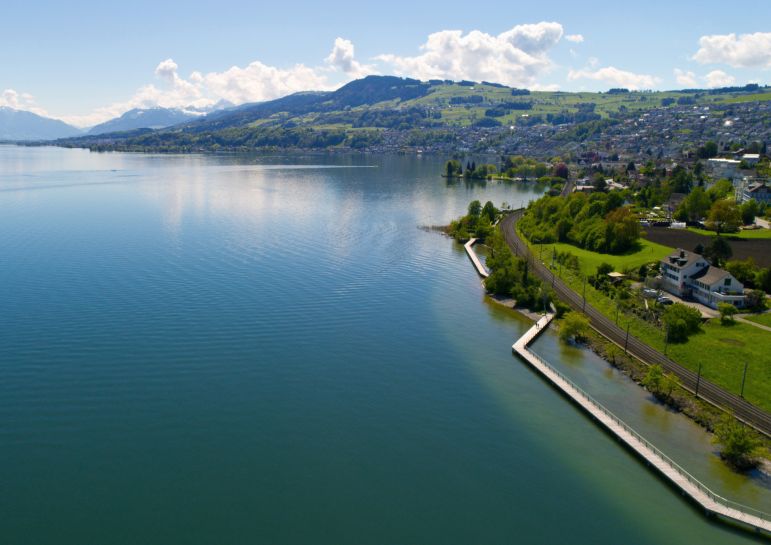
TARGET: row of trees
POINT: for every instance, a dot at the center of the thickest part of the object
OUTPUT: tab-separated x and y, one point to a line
598	222
478	222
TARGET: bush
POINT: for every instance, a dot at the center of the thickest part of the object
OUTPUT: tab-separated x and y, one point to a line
574	326
741	446
727	311
681	321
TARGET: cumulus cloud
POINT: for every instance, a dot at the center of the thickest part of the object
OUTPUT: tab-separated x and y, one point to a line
516	57
10	98
743	51
575	38
688	79
616	77
342	58
718	78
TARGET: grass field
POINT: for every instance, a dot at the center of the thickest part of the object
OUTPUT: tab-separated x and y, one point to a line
649	252
746	234
721	350
763	319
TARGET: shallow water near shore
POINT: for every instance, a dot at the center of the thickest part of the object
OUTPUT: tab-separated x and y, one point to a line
206	349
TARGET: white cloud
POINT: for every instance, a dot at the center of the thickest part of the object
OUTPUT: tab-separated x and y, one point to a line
746	50
342	58
238	85
10	98
575	38
687	79
614	76
515	57
718	78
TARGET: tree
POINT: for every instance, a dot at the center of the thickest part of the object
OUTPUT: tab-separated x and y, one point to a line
727	311
724	217
718	251
653	378
707	151
722	189
748	211
474	209
489	211
756	300
681	321
745	271
561	170
598	181
574	326
681	180
697	204
452	168
622	230
741	447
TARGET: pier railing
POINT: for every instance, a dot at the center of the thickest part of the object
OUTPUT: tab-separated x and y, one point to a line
729	504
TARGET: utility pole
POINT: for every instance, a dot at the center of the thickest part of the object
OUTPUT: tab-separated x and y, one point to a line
744	376
698	380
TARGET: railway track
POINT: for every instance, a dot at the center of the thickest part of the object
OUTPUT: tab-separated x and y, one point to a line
708	391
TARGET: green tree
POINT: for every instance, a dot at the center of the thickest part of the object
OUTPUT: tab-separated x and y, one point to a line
749	210
707	151
474	209
724	217
727	311
574	326
452	168
681	321
741	447
721	189
697	204
718	251
489	211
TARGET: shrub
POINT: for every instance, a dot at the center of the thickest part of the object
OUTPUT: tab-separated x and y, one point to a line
741	446
574	326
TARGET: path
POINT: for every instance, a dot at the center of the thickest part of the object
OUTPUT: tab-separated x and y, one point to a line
475	259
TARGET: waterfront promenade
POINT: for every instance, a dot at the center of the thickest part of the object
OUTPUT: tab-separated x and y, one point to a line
713	504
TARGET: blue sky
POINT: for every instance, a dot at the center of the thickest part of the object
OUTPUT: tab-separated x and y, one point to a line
88	61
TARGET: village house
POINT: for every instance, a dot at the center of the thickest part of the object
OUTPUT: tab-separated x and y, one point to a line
758	191
690	276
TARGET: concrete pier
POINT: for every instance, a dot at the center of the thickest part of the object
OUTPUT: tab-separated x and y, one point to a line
475	258
712	504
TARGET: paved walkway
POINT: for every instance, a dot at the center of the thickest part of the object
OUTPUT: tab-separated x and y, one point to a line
740	318
712	503
475	259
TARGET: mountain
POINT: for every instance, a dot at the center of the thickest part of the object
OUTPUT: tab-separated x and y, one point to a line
22	125
379	113
151	118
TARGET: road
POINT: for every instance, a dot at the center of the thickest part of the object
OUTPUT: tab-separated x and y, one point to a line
745	411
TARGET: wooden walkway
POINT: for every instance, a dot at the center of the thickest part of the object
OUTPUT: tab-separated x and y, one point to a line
475	259
712	504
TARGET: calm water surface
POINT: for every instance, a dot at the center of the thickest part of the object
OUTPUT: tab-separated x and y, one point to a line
220	350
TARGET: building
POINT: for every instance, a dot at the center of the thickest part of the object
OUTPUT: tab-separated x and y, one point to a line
724	168
751	158
690	276
758	191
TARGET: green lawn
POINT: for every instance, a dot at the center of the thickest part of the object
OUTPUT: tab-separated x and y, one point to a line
722	350
749	234
763	319
649	252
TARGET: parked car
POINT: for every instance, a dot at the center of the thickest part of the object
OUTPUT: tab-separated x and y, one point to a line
650	293
664	300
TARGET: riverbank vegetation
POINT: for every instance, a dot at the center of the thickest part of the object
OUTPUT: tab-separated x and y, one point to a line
741	447
477	223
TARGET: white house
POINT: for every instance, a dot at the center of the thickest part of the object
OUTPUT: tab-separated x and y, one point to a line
751	158
689	275
724	168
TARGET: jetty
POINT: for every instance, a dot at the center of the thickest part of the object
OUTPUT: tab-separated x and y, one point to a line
481	270
714	505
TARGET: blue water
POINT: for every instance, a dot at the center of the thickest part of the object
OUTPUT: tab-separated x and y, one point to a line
228	350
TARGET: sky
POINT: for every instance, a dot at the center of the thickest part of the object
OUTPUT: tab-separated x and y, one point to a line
87	62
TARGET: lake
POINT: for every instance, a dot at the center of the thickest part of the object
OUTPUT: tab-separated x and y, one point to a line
235	349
